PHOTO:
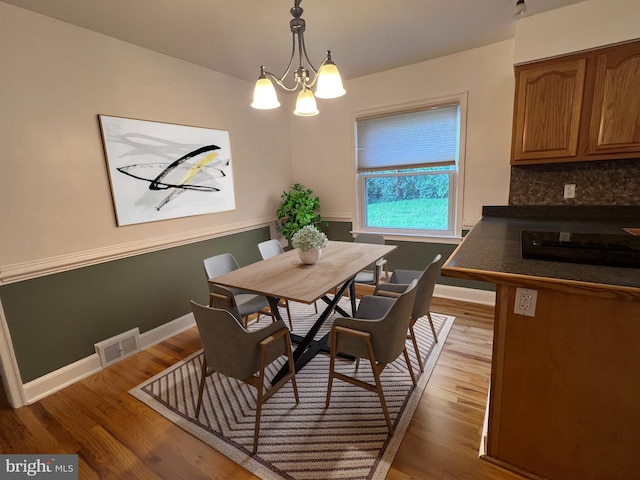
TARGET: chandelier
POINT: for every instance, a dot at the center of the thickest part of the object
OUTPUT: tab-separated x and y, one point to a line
327	77
520	9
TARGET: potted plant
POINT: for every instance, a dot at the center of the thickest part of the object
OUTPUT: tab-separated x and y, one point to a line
299	208
309	241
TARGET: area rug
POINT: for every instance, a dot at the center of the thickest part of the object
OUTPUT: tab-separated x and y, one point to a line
347	440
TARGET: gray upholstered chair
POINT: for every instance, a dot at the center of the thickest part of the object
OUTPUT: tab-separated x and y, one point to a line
232	350
373	273
271	248
226	297
378	332
426	278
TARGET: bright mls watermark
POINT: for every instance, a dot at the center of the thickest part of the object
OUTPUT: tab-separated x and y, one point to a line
45	466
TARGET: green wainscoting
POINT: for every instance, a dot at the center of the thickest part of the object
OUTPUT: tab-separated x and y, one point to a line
410	255
56	320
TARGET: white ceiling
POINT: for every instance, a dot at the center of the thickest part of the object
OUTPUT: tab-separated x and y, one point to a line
237	36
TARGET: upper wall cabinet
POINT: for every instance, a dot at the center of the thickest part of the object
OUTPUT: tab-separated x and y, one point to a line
615	117
578	107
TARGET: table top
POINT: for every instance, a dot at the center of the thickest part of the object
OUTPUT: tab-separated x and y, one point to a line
285	276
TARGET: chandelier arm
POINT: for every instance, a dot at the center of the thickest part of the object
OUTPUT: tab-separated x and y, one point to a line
279	82
315	77
303	50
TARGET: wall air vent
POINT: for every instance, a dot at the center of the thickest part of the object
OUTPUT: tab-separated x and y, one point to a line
116	348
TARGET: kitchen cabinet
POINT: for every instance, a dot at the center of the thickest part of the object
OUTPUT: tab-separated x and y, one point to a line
564	400
615	117
578	107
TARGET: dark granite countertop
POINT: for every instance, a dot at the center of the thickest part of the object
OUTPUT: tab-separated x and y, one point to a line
494	244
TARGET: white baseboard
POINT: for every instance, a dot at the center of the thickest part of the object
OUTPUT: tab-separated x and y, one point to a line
485	429
472	295
58	379
63	377
168	330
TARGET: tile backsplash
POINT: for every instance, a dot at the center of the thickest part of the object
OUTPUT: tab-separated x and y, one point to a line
609	182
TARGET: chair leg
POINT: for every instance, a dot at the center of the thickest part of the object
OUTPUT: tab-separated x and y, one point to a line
203	377
286	304
315	305
406	359
412	336
377	370
332	364
260	387
433	330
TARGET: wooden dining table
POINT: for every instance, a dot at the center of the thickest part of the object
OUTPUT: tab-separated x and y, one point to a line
286	277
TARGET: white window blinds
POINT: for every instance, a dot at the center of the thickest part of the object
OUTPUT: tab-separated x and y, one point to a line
408	140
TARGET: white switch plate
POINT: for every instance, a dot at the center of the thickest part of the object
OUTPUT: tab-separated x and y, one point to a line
570	190
526	300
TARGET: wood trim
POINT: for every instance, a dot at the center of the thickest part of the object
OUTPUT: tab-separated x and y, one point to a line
512	468
497	363
19	272
9	365
568	286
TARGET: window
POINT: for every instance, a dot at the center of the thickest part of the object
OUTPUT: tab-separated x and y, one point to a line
409	170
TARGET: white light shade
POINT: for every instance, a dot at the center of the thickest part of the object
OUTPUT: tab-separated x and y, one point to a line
264	95
329	82
306	104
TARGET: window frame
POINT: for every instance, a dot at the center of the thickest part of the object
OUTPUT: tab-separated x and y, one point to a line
456	174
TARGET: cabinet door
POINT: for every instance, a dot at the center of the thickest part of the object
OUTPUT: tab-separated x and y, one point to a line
547	111
615	115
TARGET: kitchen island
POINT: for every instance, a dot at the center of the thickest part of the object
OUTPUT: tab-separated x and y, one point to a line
565	382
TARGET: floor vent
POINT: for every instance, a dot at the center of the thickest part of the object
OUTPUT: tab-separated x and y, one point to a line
116	348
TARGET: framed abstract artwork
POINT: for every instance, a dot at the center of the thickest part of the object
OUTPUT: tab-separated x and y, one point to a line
160	171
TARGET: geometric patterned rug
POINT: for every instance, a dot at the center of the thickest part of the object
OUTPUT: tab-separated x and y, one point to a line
348	440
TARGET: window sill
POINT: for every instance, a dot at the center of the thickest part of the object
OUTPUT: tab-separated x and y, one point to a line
413	238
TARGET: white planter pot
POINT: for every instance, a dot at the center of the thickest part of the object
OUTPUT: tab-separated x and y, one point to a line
310	256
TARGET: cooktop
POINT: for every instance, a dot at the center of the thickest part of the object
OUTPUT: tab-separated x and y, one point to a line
615	250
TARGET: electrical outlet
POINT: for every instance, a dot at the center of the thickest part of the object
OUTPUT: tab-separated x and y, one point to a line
526	300
570	190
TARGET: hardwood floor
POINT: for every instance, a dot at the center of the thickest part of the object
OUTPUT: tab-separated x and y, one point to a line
116	436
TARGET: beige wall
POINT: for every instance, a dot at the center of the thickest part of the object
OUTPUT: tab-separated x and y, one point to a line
582	26
55	198
55	201
322	146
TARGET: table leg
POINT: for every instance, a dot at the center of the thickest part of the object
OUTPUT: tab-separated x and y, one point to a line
273	305
352	297
308	348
